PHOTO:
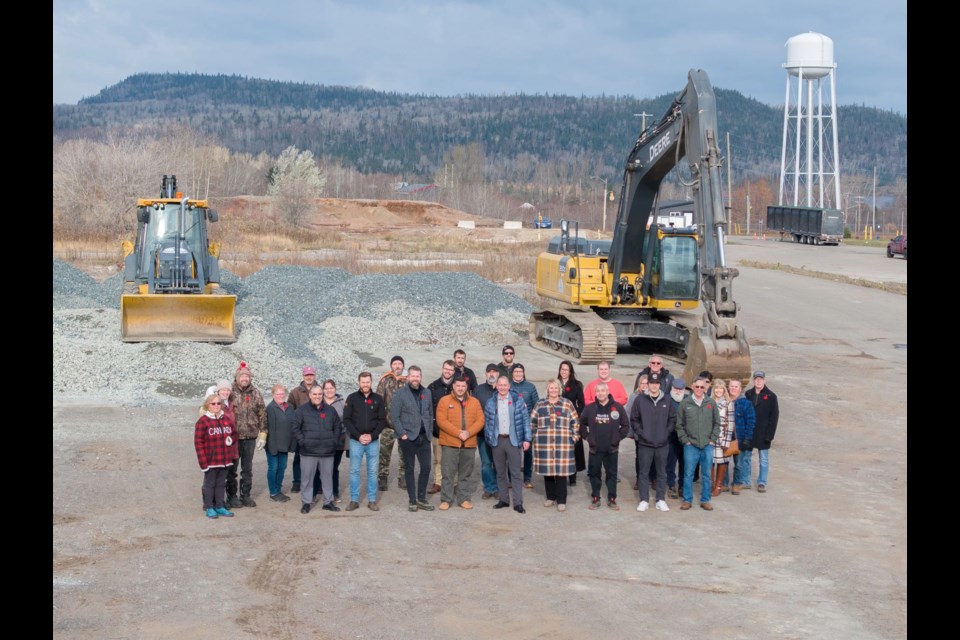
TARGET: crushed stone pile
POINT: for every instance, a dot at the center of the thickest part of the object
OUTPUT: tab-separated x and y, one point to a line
287	317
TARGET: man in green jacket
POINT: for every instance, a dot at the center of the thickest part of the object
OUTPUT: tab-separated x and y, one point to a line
698	428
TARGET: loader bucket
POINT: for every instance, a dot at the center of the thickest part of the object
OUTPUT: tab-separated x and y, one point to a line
177	318
726	358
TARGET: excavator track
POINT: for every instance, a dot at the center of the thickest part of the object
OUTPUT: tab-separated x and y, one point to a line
580	334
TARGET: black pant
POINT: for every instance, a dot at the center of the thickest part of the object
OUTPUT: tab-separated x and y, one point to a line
556	488
245	462
605	460
419	450
579	459
337	457
213	487
657	456
674	461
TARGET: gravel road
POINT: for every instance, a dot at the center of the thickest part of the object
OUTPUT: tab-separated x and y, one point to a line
822	554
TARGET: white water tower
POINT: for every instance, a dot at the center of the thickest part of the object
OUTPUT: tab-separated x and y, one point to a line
810	160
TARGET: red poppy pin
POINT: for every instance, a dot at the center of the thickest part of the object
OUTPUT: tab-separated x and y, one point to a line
766	397
566	388
323	415
369	401
421	396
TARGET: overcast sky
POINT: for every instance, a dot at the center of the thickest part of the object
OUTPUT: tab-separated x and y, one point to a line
637	48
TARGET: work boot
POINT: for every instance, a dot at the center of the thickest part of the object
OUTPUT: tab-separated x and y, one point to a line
382	484
295	488
233	502
736	490
247	501
673	493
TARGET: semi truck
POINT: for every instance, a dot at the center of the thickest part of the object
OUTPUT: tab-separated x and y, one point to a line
806	225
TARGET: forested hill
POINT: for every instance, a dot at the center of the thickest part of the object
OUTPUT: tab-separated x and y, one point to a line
408	134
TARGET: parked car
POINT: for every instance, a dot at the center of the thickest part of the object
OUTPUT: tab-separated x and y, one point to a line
542	223
897	247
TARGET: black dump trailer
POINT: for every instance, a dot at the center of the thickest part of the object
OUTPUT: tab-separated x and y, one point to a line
806	225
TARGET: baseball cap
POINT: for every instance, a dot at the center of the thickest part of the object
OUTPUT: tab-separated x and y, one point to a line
653	378
492	367
309	371
759	374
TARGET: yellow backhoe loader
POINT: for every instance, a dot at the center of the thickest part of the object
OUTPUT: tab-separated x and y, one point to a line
171	289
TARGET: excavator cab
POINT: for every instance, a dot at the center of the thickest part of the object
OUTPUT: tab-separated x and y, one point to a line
171	280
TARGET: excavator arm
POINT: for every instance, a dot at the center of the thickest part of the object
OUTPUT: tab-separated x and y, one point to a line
688	131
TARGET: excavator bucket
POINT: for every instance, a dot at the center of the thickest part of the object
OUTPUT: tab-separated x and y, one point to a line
177	318
726	358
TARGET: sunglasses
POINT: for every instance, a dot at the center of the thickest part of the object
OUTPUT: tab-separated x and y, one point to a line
655	363
508	353
699	386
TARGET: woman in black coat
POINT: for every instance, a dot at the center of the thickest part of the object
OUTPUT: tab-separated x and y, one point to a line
572	390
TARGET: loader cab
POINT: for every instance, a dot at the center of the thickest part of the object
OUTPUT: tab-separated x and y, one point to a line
172	236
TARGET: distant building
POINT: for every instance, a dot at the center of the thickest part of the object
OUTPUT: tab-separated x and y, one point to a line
420	190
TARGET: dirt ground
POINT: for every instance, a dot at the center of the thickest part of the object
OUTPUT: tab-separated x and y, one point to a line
822	554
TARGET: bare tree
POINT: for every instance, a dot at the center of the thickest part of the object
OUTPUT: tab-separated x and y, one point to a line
295	180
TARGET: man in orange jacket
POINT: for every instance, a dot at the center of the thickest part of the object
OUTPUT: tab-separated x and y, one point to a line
459	417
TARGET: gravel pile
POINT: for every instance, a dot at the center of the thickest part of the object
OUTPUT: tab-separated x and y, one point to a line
286	317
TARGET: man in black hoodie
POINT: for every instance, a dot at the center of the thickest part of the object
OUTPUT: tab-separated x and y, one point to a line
654	418
603	425
442	386
364	418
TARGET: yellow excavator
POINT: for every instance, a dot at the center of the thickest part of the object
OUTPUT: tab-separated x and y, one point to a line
171	288
652	282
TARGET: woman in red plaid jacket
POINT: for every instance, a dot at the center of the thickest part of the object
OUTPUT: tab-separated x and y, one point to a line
215	440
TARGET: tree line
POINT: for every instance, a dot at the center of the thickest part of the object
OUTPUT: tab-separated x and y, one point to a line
485	152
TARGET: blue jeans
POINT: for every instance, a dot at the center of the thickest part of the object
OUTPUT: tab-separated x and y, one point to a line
276	466
741	473
487	475
692	456
764	466
357	451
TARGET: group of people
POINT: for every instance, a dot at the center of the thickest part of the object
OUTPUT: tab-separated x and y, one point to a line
438	426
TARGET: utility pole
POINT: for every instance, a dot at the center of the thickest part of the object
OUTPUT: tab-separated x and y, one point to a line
729	189
604	181
643	121
873	228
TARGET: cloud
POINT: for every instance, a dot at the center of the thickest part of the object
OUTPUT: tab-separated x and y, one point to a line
447	47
